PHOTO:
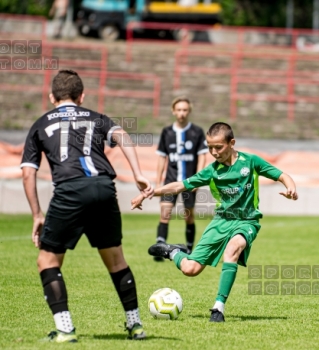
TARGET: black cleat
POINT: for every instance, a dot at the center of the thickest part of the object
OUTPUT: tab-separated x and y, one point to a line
163	250
158	259
216	316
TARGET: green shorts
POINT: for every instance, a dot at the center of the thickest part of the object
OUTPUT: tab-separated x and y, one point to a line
217	234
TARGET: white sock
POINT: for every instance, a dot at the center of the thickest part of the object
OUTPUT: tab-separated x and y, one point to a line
63	321
173	253
220	306
132	317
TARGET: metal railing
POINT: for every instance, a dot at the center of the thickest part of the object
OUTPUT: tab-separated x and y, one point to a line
289	77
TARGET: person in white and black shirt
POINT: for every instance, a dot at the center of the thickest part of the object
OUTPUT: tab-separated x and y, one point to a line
84	201
182	150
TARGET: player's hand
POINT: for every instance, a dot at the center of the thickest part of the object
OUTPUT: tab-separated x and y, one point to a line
144	186
38	223
290	194
137	202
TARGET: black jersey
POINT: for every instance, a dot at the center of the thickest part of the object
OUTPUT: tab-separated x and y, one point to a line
72	138
182	146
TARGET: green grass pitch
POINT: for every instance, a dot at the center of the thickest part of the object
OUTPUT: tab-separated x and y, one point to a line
252	321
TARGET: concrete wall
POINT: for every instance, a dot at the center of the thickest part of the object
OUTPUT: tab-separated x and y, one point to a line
13	200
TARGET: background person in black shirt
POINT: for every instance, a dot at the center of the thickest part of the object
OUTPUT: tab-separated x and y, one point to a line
84	200
182	150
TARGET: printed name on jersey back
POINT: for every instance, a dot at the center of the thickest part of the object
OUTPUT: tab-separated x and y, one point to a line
175	157
68	114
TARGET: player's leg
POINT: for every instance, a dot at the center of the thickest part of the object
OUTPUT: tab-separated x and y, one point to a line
63	228
237	250
125	286
177	253
189	199
227	278
108	242
190	231
207	252
59	19
49	262
166	206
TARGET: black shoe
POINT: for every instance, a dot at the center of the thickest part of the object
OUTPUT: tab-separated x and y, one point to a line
216	316
158	259
163	250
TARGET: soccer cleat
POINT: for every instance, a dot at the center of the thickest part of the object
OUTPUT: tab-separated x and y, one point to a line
163	250
61	337
158	259
136	332
216	316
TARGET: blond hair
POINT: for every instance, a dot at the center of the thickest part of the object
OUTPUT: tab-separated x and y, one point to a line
181	99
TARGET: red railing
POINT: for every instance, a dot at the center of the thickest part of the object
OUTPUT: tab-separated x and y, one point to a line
101	91
290	77
87	68
74	64
8	33
238	49
155	94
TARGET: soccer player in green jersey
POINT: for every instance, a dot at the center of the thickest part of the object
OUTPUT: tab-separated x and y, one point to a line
233	181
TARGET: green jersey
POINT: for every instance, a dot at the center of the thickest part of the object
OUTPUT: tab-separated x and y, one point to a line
235	188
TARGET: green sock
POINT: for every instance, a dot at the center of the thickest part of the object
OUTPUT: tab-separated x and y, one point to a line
178	259
227	279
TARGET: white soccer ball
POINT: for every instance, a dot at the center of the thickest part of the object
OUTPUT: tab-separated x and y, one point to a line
166	304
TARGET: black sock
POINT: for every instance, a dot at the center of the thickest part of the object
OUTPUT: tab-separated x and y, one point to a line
162	232
126	289
190	236
54	289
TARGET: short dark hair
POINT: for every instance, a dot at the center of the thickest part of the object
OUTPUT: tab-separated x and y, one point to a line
218	127
67	85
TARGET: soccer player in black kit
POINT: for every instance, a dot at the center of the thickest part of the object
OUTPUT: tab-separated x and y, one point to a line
183	146
84	200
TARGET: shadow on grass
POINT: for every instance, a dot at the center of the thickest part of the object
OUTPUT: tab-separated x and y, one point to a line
115	336
257	318
244	318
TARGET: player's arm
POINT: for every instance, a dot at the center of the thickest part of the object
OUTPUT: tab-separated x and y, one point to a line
160	170
201	150
171	188
30	187
118	136
266	169
288	182
201	160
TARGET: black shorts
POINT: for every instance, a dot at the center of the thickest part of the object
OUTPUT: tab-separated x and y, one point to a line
188	199
83	205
